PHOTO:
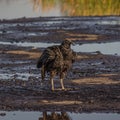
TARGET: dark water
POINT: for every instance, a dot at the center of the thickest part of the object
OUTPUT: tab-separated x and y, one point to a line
19	115
33	8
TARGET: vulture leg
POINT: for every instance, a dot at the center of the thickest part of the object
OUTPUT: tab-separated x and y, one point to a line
62	85
52	74
62	75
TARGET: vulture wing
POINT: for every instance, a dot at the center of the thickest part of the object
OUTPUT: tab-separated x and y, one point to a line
51	57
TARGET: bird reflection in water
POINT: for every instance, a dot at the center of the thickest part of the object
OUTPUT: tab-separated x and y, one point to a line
55	116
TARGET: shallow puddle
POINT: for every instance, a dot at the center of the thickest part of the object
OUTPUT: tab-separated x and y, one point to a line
21	76
19	115
112	48
105	48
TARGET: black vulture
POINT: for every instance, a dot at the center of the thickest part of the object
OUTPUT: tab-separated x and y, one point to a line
56	60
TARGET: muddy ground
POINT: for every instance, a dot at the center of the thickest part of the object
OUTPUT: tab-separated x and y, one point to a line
93	83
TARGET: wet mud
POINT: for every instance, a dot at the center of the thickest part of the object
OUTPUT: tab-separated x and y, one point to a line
93	82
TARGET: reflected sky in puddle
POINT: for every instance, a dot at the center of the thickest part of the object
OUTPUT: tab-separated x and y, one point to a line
19	115
105	48
19	76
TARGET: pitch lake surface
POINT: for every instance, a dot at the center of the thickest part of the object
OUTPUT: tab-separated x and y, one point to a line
105	48
28	8
112	48
19	115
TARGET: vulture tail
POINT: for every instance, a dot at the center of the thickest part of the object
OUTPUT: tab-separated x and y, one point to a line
39	63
